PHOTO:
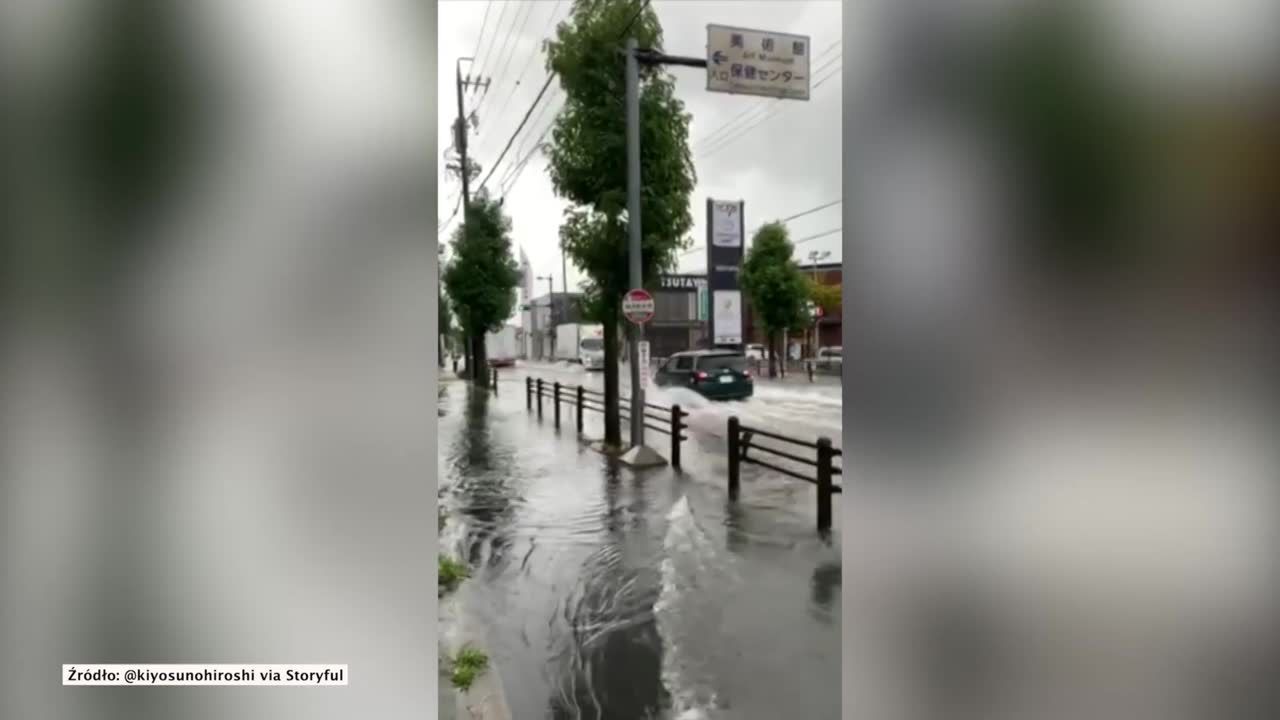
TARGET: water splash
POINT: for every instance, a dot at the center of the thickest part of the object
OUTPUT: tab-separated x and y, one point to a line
690	628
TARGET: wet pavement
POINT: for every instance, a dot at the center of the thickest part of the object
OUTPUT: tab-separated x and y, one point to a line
608	594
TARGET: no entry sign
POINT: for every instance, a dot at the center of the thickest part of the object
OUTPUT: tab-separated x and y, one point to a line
637	306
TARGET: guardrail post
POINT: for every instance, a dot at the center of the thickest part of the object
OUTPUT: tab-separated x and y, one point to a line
824	483
539	393
677	428
495	381
556	392
528	393
579	415
733	457
810	371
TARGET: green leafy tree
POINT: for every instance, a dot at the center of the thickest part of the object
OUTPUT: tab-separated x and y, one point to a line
824	296
588	163
775	286
481	278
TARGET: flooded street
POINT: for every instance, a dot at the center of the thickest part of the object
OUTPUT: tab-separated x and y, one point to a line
610	595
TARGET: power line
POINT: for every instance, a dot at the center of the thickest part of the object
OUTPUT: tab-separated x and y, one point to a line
715	134
511	32
773	111
510	180
818	235
786	219
483	24
545	31
520	127
484	61
550	76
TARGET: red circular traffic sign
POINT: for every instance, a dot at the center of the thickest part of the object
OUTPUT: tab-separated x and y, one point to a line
638	306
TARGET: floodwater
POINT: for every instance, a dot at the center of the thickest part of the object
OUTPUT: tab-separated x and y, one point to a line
612	594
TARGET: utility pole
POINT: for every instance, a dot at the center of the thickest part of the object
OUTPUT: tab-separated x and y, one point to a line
551	309
639	455
460	138
633	226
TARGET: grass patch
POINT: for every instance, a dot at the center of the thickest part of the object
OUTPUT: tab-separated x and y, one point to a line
452	572
467	666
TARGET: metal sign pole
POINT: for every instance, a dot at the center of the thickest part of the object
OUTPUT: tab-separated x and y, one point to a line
633	225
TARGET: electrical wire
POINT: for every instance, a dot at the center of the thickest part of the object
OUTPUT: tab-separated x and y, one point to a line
488	53
773	111
545	32
715	135
550	77
511	33
786	219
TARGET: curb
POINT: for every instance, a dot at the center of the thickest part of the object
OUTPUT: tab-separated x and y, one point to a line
486	699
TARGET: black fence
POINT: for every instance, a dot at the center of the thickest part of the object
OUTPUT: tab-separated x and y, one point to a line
669	421
741	447
809	368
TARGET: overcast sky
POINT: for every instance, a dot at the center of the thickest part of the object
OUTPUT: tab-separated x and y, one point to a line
781	157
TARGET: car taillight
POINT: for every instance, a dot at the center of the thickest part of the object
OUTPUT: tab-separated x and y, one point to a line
746	373
699	375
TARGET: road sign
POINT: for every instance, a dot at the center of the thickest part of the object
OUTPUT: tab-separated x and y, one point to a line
642	349
757	62
638	306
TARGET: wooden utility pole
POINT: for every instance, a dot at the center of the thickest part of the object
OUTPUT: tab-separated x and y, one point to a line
477	374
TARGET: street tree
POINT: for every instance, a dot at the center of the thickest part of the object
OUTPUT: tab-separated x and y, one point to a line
588	164
775	286
445	319
481	278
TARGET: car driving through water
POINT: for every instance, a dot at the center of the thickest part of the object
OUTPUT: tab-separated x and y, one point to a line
714	374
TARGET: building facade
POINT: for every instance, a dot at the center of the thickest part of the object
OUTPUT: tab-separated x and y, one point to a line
542	315
679	319
828	330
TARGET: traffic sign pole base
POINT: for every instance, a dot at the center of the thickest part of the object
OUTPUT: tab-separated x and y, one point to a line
642	456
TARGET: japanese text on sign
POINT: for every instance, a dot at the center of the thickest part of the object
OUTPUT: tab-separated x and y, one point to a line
756	62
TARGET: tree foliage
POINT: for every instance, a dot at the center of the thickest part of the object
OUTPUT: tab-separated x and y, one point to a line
588	161
824	296
481	277
775	286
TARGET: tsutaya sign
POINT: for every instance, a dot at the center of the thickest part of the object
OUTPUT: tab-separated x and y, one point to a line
757	62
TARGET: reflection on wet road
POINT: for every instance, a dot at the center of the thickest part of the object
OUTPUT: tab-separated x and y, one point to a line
611	595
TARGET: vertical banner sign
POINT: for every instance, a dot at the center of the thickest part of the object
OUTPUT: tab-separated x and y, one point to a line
643	350
725	236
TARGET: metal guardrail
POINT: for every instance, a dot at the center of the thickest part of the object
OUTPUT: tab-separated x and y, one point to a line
582	399
740	444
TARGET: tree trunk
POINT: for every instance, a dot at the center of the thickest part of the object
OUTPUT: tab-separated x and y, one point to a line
773	353
480	376
468	366
612	422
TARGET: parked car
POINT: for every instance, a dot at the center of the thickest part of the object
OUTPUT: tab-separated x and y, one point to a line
754	351
714	374
829	359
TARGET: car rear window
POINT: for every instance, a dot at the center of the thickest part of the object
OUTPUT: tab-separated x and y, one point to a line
722	362
591	343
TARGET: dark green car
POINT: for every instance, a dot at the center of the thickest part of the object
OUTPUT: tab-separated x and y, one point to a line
714	374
